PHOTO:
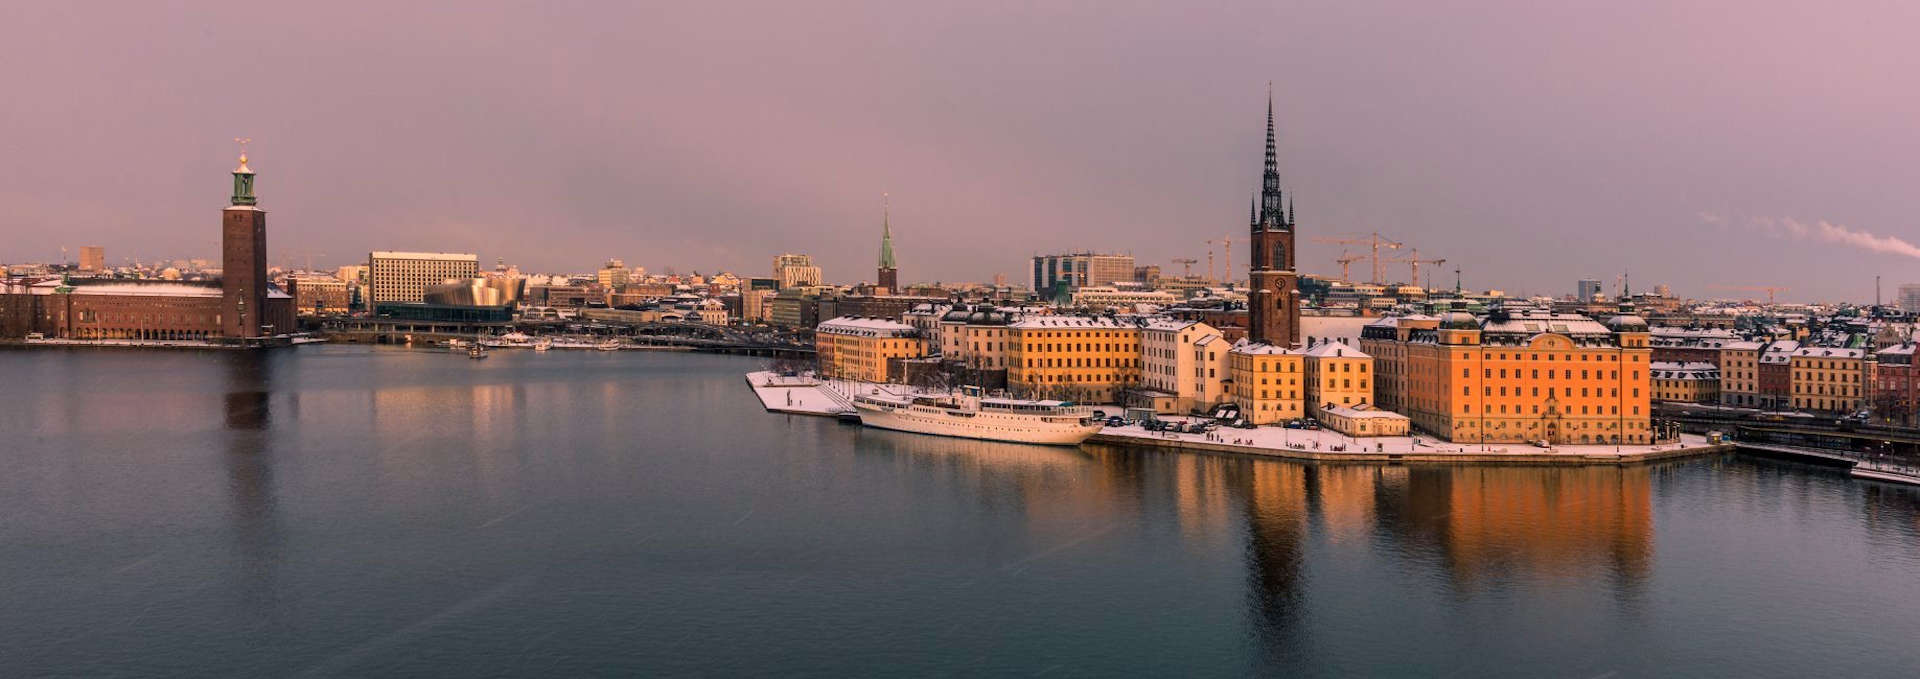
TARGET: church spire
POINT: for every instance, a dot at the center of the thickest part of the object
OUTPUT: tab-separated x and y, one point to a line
886	234
1271	215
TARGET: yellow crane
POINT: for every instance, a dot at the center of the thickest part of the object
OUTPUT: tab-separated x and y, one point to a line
1770	289
1414	261
1345	261
1374	241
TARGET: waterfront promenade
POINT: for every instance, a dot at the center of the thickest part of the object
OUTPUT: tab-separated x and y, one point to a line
807	395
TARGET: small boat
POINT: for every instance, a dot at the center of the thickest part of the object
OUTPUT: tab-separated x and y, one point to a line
476	351
609	345
967	415
542	344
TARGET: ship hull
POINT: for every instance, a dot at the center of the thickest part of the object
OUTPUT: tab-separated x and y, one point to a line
981	426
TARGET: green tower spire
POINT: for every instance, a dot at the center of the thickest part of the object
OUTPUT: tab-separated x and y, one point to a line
886	236
243	178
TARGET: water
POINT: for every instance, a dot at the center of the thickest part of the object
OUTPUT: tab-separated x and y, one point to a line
356	511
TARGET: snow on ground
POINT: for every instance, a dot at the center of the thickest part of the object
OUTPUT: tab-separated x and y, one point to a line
799	394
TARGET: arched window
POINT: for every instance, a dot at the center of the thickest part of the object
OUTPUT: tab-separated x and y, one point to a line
1279	256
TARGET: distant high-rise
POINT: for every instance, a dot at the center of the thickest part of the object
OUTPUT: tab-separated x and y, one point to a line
1273	298
889	276
1079	270
1586	290
792	270
405	276
1910	298
243	260
93	258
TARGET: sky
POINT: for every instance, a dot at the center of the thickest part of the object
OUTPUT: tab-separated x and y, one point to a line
1530	144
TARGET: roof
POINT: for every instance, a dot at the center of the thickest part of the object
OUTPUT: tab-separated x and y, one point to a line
1335	350
1828	352
867	327
1675	370
1741	346
1363	411
149	289
1070	322
448	256
1260	348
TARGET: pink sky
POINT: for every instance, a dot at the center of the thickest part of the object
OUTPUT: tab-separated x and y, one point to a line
1529	143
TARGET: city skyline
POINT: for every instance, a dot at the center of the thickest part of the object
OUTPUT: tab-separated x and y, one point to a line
1644	140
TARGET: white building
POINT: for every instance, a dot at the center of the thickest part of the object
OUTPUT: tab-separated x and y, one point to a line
405	276
1175	368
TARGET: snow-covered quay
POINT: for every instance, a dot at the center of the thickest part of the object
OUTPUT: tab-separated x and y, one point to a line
807	395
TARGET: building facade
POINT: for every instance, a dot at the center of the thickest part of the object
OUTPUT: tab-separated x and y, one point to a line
1686	382
1831	379
1561	378
1173	364
1337	376
793	271
864	348
1094	360
1266	382
1078	270
405	276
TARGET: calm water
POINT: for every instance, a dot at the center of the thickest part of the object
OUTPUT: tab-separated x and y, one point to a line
382	512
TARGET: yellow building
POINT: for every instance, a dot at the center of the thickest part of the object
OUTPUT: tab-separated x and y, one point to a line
1685	382
1093	360
1831	379
860	348
1337	375
1266	382
1527	376
1363	420
1740	374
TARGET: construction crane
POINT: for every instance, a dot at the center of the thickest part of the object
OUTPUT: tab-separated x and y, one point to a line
1345	260
1227	243
1209	260
1770	289
1186	263
1414	261
1373	241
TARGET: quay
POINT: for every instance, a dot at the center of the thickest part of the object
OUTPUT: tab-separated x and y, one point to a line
1858	465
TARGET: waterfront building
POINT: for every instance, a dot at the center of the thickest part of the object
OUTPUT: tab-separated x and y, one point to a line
1776	374
1074	358
1053	273
1740	374
754	304
405	276
1337	375
93	258
793	271
1831	379
1265	381
1362	420
1273	300
1175	372
1896	386
1529	376
241	305
865	349
1685	382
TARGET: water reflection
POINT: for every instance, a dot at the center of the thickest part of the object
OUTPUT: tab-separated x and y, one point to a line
249	465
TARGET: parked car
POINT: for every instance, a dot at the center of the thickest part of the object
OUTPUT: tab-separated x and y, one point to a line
1295	424
1116	422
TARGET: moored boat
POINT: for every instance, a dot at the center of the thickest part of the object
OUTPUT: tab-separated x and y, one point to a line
968	415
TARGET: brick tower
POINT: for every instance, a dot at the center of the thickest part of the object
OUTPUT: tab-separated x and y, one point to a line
1273	296
243	261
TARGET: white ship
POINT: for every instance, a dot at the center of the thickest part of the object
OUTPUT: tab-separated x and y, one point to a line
967	415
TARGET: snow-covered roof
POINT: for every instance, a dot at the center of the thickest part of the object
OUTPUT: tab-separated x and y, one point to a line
149	289
1169	324
1070	322
1676	370
1335	350
1742	346
1245	346
1828	352
867	327
1363	412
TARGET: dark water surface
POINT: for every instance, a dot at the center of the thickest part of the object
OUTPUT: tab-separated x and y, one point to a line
350	511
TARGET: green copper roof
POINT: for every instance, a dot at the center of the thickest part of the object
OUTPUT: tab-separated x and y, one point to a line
886	241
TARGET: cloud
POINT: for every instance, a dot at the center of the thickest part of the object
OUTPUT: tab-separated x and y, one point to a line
1828	232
